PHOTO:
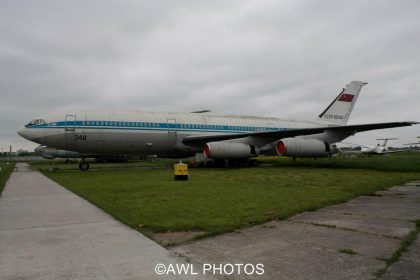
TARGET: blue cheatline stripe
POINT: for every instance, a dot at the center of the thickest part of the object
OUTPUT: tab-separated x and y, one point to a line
154	126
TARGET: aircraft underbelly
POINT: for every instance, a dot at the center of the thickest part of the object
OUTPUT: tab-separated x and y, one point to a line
121	142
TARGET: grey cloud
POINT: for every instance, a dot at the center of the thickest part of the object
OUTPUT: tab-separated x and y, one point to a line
276	58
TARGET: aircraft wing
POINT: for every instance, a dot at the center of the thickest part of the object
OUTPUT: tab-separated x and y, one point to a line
395	151
198	140
270	136
366	127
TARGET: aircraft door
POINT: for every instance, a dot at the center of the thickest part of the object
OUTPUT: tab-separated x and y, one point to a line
171	125
172	132
70	132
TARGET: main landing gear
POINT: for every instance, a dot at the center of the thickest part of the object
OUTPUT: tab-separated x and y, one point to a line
243	163
84	165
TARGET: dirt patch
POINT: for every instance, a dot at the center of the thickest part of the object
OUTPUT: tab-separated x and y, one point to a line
172	238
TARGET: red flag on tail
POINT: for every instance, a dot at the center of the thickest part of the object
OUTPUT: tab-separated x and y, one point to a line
346	97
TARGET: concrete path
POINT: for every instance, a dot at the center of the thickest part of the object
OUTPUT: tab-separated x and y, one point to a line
47	232
344	241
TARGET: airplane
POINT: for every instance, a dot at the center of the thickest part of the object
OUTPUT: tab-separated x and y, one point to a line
219	137
52	153
415	143
380	149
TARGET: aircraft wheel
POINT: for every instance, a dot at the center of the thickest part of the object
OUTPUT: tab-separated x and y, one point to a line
84	166
253	163
237	163
232	163
209	164
219	163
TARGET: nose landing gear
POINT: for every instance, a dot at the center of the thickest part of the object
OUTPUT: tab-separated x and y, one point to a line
83	165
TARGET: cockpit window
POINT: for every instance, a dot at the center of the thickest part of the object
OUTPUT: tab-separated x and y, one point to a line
35	122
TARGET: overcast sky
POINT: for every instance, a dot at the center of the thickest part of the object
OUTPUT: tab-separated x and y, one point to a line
284	59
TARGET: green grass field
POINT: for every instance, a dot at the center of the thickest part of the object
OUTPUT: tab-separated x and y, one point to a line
224	199
6	169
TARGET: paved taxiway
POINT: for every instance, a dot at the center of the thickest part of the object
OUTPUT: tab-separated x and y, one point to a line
47	232
344	241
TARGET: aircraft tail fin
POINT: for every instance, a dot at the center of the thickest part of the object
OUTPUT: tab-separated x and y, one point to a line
386	140
338	112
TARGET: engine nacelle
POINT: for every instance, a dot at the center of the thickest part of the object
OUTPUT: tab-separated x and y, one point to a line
229	150
300	147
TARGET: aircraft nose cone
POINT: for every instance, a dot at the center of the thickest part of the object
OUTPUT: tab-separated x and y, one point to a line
23	133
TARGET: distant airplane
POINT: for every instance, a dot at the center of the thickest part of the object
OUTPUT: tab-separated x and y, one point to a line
418	143
52	153
219	137
379	149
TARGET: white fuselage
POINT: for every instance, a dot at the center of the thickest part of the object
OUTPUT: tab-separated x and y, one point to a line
373	149
150	133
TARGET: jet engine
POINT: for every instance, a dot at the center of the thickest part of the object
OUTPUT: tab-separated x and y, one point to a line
229	150
300	147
